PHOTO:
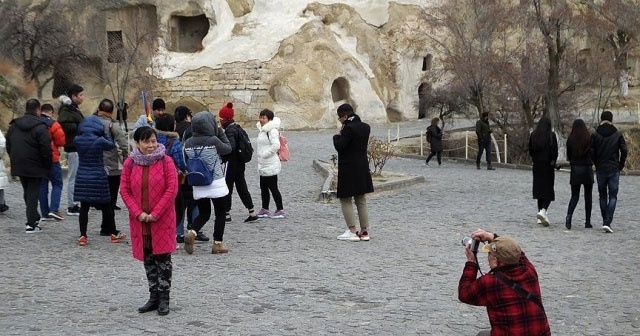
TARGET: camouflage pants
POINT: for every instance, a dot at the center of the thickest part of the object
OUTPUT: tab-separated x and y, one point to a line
159	271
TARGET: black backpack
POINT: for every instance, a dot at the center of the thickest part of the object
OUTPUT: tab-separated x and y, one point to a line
245	150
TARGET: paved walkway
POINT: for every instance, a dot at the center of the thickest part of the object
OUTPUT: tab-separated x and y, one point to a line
292	277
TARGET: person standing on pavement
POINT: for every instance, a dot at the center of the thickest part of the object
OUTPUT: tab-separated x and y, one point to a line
29	148
92	183
235	166
51	211
69	117
483	132
183	127
148	190
435	134
510	291
166	135
543	148
579	156
210	142
354	177
609	156
4	179
269	165
113	158
157	108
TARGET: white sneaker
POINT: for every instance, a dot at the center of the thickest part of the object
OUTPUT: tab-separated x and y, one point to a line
542	217
607	229
349	236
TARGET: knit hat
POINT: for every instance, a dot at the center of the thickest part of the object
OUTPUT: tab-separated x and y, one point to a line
158	104
505	249
226	112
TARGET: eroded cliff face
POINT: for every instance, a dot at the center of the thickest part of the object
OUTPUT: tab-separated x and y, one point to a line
301	60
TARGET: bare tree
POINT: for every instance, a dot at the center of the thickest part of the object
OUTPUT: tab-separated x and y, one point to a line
40	40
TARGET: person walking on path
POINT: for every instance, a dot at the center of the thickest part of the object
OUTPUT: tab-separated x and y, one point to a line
483	132
269	165
354	177
148	188
543	148
4	179
69	117
609	156
210	142
235	166
29	148
579	156
113	158
435	134
92	185
50	211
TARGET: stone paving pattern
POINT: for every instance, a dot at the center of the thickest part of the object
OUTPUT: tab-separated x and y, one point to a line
292	276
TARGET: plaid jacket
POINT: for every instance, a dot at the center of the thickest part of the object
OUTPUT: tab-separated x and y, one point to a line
509	312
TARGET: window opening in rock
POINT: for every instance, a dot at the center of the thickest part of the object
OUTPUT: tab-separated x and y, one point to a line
116	47
340	90
186	33
426	62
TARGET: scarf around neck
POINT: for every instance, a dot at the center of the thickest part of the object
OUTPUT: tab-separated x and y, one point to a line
147	159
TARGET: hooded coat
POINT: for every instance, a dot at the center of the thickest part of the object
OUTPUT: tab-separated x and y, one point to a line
354	177
57	136
268	146
154	177
29	147
208	135
92	184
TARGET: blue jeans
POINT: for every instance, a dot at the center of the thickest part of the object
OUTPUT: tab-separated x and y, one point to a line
484	145
55	177
192	210
608	192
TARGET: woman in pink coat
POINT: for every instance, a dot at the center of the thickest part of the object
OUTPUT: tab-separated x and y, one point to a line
149	184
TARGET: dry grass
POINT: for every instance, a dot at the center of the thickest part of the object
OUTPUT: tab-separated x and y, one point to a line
632	137
12	73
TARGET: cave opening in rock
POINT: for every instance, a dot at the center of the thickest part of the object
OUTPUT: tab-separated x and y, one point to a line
186	33
340	91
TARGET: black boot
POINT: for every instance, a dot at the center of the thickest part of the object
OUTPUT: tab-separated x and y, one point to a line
567	222
163	306
152	304
587	224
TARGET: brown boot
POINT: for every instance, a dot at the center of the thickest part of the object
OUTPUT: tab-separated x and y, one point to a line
218	248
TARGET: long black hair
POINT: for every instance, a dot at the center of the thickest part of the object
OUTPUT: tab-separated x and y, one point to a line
541	136
580	137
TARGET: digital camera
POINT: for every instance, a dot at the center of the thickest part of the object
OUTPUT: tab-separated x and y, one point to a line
474	244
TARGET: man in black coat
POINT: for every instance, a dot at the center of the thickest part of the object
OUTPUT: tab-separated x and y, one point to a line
354	177
609	155
29	147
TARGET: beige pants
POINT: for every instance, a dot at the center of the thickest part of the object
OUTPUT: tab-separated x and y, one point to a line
350	216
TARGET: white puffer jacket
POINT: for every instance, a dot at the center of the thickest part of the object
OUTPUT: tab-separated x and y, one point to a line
268	146
4	179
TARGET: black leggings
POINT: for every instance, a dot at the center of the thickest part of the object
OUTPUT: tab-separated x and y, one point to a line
438	156
575	196
108	225
270	184
219	210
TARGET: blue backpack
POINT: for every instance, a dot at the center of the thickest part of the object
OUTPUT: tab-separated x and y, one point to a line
198	173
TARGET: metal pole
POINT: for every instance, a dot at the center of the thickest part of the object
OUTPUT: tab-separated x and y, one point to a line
466	145
505	148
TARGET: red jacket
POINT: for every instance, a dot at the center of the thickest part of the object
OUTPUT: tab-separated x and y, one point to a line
509	312
57	137
162	188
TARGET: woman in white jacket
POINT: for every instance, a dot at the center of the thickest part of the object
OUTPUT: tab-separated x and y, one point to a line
4	179
269	163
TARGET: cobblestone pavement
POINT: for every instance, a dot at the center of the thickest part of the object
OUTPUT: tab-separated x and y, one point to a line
292	276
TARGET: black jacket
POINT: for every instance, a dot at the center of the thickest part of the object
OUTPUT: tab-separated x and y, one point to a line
69	117
436	138
29	147
609	148
354	177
